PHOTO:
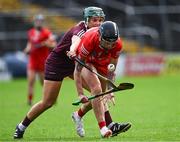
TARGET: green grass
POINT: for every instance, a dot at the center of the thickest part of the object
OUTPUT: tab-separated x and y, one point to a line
152	107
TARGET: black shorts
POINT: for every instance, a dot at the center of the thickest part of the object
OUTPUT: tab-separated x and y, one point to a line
58	66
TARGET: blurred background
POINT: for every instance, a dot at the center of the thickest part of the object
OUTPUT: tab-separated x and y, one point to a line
150	31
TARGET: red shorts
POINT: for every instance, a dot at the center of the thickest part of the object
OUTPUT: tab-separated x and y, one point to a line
36	66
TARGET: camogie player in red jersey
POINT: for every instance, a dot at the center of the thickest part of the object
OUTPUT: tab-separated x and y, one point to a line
98	48
40	40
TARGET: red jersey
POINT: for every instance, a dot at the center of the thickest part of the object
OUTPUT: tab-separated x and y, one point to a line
90	49
38	53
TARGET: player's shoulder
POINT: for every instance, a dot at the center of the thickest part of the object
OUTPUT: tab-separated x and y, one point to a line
119	44
92	31
46	30
81	24
119	41
91	34
79	29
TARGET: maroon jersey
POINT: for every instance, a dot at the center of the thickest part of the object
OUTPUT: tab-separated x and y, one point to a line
58	65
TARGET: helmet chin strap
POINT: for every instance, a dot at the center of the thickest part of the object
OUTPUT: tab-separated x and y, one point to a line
86	22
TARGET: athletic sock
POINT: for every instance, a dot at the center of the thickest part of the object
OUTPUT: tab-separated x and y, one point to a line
30	97
110	125
80	113
22	127
108	118
26	121
102	124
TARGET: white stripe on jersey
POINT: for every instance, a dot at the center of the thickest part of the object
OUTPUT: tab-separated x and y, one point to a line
81	33
84	51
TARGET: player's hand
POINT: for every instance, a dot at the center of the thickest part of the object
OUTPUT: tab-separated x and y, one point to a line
71	54
109	98
83	98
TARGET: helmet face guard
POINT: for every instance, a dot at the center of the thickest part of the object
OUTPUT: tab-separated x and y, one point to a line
93	12
106	44
109	34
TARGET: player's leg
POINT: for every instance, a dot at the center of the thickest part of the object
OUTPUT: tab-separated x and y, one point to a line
77	118
95	86
50	93
41	77
116	128
31	76
79	114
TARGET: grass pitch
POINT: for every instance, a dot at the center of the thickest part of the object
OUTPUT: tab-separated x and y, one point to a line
152	107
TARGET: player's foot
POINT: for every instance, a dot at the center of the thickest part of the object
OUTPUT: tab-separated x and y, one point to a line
79	124
105	132
118	128
18	133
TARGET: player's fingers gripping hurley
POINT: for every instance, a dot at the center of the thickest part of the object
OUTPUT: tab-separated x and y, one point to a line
83	99
71	54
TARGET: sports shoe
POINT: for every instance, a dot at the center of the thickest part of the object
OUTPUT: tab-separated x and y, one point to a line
79	124
105	132
118	128
18	133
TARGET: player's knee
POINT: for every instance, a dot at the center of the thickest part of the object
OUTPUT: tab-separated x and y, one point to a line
47	105
96	89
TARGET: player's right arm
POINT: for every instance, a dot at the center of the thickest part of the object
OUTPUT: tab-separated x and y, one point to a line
73	48
75	42
83	50
28	48
78	81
